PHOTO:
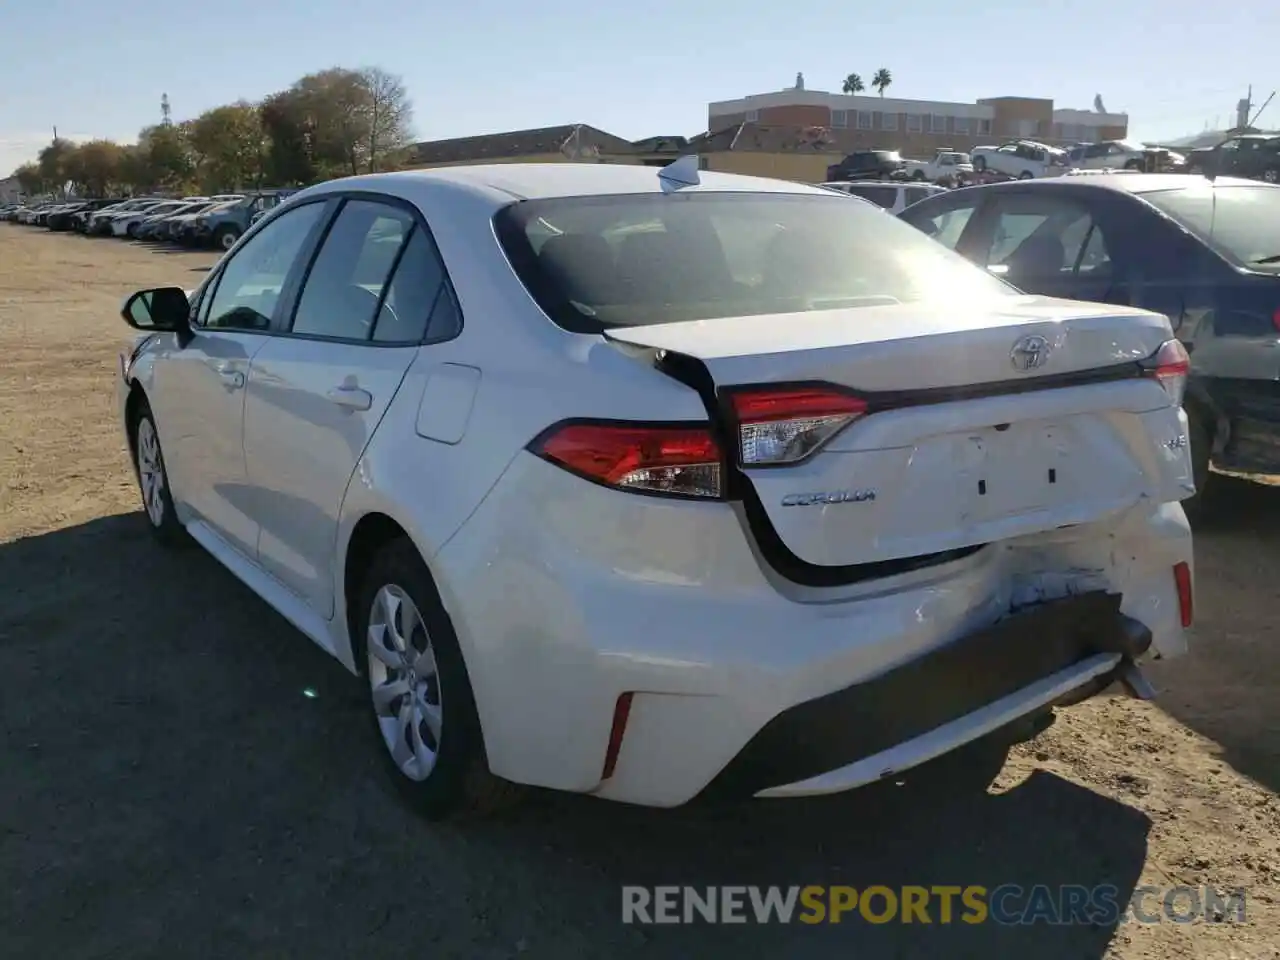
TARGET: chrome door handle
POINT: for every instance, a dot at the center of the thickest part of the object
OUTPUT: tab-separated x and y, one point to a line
232	378
350	398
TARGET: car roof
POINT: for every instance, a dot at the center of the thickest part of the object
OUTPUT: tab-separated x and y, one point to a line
1137	183
503	182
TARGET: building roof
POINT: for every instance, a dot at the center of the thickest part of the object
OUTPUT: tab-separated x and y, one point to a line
520	143
753	137
660	144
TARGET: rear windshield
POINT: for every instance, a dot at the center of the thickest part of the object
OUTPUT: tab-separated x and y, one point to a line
884	196
1240	223
633	260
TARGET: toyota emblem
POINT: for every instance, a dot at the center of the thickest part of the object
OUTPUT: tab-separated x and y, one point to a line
1030	353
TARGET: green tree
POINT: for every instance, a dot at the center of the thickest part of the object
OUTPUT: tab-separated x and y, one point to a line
94	167
853	84
169	164
288	133
228	147
30	179
880	82
132	170
53	164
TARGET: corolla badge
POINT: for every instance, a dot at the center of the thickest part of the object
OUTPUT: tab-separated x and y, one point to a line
830	498
1030	353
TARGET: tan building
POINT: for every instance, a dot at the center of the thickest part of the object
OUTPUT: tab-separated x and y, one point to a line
917	128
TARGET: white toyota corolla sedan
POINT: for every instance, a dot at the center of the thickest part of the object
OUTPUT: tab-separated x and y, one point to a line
654	484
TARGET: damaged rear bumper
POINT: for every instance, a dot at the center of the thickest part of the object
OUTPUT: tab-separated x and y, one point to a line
1061	651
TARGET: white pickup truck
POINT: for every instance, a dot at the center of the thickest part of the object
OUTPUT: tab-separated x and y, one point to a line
946	165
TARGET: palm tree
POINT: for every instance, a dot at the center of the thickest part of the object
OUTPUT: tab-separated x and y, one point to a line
881	80
853	84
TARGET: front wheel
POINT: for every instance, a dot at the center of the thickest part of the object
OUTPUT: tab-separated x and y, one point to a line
153	481
1026	175
980	164
1271	175
421	705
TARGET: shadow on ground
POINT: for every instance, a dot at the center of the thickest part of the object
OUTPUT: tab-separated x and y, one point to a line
185	775
1226	688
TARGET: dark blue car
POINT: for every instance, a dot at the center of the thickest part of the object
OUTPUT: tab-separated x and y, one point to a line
1204	252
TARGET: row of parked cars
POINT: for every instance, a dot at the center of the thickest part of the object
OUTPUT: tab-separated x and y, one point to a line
217	221
1254	156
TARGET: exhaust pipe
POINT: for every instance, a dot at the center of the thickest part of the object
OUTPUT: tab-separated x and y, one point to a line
1134	681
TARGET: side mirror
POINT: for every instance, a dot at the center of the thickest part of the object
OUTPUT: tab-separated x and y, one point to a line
163	309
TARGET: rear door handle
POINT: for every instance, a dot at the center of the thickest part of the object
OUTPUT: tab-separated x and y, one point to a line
350	398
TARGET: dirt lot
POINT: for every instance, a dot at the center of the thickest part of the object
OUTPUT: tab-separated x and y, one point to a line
168	789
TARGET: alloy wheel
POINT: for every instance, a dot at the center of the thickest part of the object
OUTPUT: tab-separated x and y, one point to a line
404	682
151	471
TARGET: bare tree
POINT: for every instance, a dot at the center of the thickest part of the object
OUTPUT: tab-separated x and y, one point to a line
390	114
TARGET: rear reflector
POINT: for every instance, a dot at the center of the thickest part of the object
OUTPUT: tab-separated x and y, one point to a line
677	460
785	425
621	713
1170	365
1186	607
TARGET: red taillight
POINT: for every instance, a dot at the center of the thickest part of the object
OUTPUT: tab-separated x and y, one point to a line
1275	319
621	713
1170	366
785	425
1182	577
675	460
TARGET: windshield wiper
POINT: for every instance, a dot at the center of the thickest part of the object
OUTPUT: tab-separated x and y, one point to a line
1274	258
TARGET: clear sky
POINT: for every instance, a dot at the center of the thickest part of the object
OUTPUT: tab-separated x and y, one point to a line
98	68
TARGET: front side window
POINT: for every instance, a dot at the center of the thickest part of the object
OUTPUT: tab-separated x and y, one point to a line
652	258
251	281
946	227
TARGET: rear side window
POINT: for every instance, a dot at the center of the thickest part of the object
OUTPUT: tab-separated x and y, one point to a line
629	260
1240	223
343	290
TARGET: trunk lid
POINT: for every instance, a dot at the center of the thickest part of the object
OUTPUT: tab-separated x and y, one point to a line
982	424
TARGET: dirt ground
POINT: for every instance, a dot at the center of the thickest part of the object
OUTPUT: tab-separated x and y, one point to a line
182	774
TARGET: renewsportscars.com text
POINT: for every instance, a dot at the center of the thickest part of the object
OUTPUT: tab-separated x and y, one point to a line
1008	904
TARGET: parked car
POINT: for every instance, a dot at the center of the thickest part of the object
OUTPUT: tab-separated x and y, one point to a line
1119	155
693	501
99	223
221	228
79	220
65	218
9	210
156	225
949	165
1021	159
869	165
1256	156
127	224
894	197
1206	255
182	226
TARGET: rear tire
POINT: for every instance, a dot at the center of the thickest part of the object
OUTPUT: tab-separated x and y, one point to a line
1271	175
1026	175
980	164
225	237
429	735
